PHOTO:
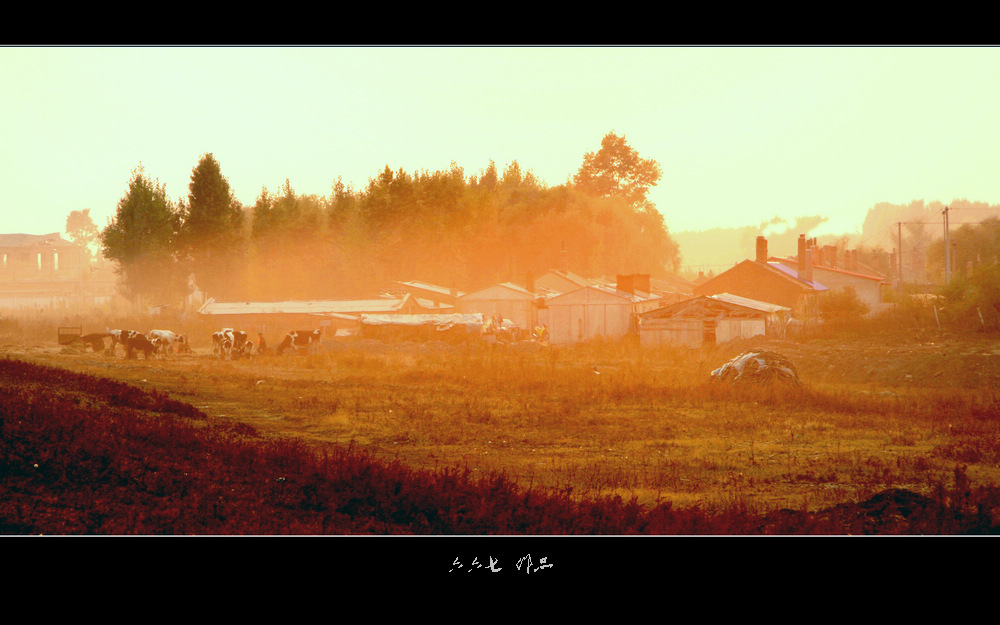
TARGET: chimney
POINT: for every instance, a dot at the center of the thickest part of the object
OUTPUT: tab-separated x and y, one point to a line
564	265
761	249
625	284
805	260
641	283
529	283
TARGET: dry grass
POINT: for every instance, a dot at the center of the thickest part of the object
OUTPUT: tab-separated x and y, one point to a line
614	418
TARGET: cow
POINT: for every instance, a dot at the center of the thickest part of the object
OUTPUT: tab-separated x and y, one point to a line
138	342
246	350
227	340
297	339
169	341
120	337
222	342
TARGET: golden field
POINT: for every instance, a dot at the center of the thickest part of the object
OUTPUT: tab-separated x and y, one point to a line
884	410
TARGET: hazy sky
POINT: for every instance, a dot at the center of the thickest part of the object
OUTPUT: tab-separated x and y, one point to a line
742	134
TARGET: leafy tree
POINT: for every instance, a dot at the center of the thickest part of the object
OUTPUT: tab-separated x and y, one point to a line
617	170
842	306
81	229
140	239
211	234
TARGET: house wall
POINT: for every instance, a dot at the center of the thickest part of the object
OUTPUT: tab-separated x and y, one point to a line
753	283
587	313
731	329
868	291
694	332
521	312
687	332
575	322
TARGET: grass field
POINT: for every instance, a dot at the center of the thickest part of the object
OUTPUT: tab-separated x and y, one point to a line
886	411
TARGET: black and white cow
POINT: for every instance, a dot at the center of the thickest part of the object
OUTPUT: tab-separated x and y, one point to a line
120	337
228	340
168	340
247	350
138	342
298	339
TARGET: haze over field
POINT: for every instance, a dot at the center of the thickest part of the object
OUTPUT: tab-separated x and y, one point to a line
743	134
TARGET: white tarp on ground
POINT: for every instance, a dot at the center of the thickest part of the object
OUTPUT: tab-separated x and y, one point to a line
757	366
471	321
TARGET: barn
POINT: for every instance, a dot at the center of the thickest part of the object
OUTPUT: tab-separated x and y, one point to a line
507	300
590	312
712	319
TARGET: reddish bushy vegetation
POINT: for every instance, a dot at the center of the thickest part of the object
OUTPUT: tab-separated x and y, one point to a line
86	455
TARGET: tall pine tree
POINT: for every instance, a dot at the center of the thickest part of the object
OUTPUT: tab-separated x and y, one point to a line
141	238
212	237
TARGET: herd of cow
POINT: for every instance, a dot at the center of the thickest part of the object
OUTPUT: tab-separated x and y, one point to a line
226	343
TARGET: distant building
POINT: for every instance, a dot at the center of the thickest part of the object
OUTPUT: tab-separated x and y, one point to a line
711	319
508	300
594	311
867	283
558	281
774	283
437	297
39	271
274	319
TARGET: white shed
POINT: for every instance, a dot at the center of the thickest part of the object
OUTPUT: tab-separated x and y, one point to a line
507	299
587	313
711	319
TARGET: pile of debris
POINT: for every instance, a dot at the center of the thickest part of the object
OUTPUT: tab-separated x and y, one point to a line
757	366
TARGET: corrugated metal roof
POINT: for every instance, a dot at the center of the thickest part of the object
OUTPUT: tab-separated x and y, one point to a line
495	291
749	303
316	307
431	288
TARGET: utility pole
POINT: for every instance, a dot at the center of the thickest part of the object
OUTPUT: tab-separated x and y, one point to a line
899	256
947	248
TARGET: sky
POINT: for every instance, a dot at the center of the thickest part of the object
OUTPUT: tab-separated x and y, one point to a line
742	134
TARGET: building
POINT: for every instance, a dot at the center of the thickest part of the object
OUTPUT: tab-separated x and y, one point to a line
39	271
557	281
594	311
274	319
433	296
849	273
508	300
772	282
713	319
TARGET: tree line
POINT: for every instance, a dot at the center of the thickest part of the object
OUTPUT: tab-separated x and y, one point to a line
444	227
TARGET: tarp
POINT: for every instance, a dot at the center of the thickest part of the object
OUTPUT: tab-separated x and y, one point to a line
757	366
471	321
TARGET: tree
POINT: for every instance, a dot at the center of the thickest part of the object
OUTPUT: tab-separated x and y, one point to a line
81	229
212	230
617	170
140	239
